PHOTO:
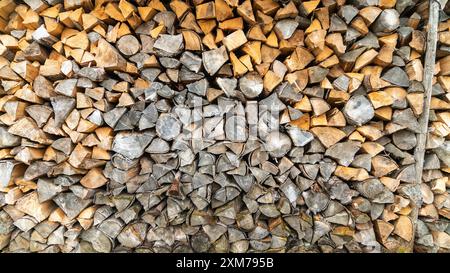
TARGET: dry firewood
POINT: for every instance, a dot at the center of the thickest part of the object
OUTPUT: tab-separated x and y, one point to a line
108	57
128	45
328	135
214	59
125	122
234	40
386	22
358	110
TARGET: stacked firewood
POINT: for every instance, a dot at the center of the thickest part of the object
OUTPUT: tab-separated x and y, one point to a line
218	126
433	225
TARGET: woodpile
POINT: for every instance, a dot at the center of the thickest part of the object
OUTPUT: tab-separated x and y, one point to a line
222	126
432	228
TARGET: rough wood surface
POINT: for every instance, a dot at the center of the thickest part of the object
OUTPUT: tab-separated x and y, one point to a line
224	126
419	152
